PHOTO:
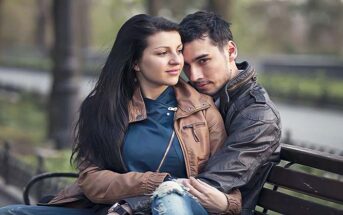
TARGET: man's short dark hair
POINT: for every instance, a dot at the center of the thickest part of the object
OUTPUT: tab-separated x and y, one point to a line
201	24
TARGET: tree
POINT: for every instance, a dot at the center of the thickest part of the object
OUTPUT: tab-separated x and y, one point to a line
84	25
41	20
1	20
64	95
153	7
224	8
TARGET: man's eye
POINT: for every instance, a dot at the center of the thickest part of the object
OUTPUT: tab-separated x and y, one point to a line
203	61
179	51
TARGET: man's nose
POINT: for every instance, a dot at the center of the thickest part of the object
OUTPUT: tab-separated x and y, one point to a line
194	74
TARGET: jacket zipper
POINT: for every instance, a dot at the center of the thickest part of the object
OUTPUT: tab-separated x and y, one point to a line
192	126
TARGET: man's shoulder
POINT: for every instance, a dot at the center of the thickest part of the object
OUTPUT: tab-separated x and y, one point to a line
254	104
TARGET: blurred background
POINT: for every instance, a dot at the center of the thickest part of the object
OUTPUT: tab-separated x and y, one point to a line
52	51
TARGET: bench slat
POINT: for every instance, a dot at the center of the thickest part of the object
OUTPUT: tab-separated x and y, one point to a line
285	204
312	158
309	184
258	213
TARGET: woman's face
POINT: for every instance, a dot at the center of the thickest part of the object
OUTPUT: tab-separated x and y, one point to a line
161	62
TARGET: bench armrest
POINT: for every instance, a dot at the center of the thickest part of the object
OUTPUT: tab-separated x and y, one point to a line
43	176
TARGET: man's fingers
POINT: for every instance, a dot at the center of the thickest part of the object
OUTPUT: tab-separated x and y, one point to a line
205	184
199	186
192	190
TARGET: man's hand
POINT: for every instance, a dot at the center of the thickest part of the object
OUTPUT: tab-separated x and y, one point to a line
209	197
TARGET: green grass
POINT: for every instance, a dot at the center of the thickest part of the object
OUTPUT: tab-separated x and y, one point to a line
315	89
22	118
23	123
59	161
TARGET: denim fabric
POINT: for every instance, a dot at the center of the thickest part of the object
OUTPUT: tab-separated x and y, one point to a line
176	201
42	210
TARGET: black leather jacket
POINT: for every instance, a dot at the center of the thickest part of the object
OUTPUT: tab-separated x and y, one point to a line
252	147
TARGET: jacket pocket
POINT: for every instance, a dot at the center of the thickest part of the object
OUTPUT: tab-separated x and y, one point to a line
193	127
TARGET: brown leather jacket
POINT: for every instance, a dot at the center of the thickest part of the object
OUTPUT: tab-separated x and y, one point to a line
199	128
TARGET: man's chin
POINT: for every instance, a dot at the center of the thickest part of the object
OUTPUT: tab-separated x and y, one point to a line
205	91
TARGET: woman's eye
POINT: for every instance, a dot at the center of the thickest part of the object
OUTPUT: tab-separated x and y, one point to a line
179	51
161	53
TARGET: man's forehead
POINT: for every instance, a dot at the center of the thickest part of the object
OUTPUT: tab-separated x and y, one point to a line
197	47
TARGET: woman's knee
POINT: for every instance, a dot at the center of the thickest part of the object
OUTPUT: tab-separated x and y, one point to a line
169	187
170	198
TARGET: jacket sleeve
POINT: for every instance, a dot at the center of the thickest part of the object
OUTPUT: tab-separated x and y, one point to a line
107	187
234	202
253	139
217	133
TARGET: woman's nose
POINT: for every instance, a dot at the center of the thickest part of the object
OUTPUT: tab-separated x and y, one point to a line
176	59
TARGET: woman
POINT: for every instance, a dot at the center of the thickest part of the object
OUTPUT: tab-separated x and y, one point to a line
141	127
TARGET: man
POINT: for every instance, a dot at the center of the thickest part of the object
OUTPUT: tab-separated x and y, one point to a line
251	119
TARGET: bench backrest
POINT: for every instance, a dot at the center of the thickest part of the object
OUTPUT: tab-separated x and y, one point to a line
305	182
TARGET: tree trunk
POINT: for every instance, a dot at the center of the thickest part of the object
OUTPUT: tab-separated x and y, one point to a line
1	25
222	8
153	7
84	27
64	95
41	24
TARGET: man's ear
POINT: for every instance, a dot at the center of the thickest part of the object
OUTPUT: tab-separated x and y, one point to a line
232	50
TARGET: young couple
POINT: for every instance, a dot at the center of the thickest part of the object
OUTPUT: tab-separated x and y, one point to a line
148	142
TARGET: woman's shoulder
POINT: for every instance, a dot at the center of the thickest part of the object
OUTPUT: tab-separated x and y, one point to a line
184	89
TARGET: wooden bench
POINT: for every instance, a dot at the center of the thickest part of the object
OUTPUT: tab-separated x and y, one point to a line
291	189
305	182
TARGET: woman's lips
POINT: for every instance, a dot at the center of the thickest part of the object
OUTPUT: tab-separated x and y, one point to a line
173	72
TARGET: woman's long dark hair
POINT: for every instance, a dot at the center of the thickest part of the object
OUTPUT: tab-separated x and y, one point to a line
103	118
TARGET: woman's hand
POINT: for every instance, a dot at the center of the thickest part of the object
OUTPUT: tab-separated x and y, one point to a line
126	207
209	197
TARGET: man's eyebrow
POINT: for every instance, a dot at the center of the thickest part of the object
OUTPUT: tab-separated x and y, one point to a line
199	57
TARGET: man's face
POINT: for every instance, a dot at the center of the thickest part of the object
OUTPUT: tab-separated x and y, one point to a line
206	65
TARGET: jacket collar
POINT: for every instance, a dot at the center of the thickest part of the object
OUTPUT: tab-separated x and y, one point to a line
246	75
189	101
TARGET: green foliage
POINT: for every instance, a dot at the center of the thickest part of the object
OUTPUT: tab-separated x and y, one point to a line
23	123
22	118
315	89
59	161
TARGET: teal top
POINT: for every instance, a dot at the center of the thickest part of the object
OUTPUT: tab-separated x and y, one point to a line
146	141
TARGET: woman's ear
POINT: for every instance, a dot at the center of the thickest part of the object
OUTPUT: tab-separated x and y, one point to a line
232	50
136	67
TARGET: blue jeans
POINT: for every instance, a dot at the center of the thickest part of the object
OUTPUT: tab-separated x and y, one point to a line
172	199
169	199
42	210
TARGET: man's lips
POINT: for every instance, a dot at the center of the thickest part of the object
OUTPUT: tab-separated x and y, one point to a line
202	84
